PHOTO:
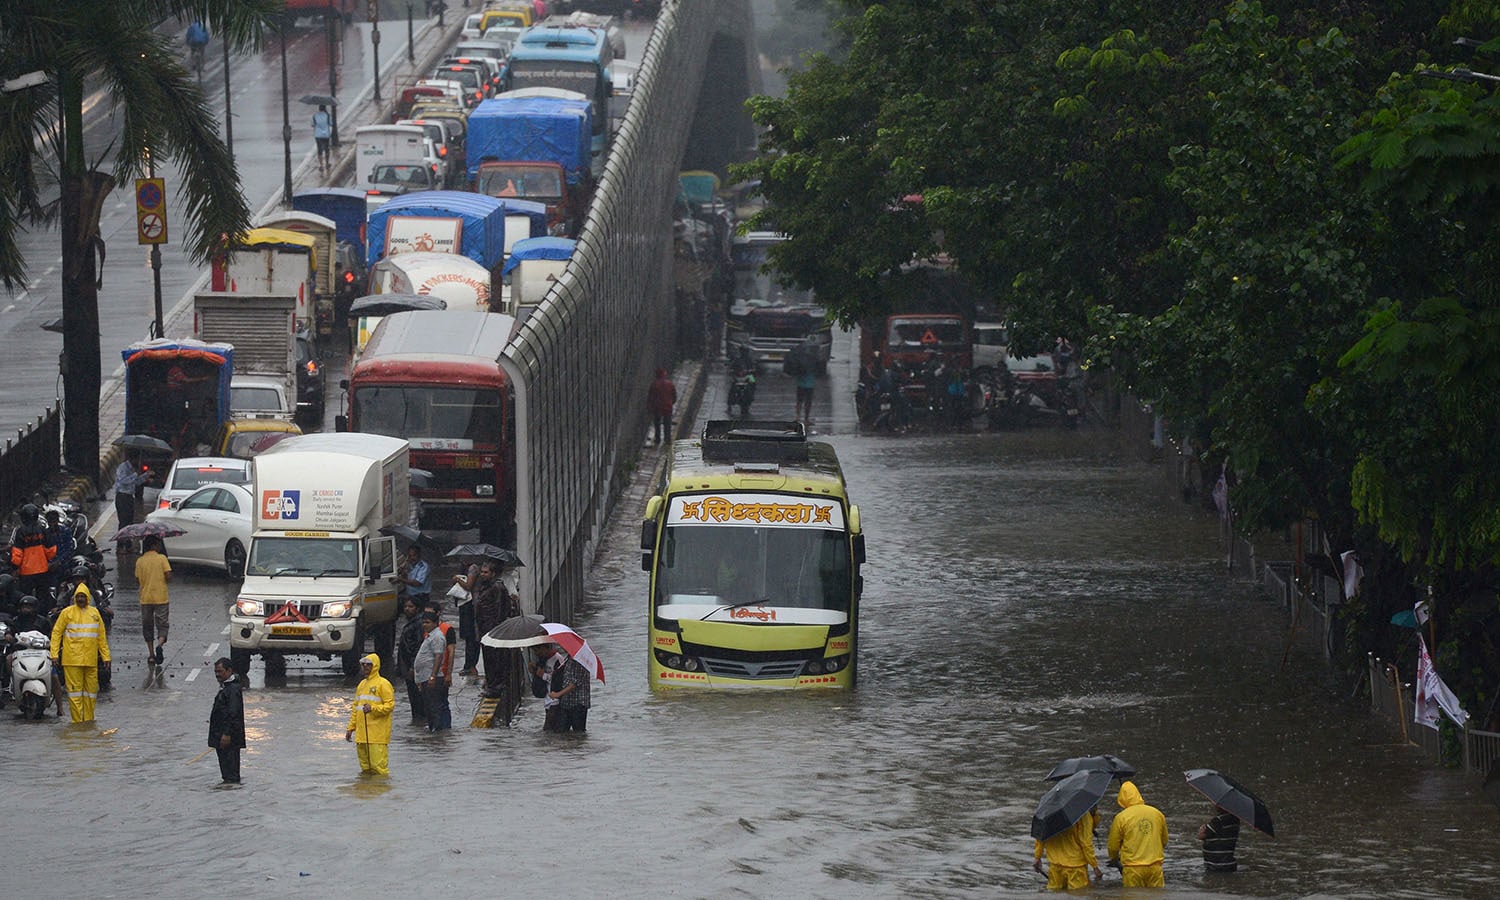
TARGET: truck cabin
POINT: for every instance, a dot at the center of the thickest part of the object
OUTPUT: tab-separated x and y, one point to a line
528	181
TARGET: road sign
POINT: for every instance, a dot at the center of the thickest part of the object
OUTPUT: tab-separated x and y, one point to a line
150	211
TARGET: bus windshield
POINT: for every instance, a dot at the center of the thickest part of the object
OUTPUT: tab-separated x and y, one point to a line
412	411
718	565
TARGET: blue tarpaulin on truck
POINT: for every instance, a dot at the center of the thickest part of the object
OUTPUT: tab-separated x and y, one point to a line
539	248
345	206
531	129
177	390
481	222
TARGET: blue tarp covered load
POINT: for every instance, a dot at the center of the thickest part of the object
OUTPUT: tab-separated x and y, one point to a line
539	248
531	129
177	390
345	206
481	221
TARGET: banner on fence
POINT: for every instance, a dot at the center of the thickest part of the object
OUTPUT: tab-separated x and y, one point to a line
1433	694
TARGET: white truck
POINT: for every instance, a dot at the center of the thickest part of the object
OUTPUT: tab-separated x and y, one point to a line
397	144
320	577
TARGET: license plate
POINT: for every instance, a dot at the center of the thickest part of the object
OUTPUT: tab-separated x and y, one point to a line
291	629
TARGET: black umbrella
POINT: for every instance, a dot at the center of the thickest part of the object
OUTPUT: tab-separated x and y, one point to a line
146	529
1114	765
409	534
1068	801
385	304
517	631
488	551
1231	796
142	442
319	100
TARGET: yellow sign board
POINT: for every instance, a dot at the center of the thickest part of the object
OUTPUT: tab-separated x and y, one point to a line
150	211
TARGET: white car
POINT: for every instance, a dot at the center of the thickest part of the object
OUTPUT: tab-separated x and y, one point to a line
471	27
257	397
216	523
193	472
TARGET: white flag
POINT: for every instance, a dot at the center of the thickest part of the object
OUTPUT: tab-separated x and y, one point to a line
1433	694
1421	612
1353	573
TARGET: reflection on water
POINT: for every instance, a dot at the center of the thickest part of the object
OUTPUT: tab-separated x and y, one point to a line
1030	597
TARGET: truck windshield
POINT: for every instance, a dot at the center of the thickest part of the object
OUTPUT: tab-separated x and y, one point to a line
303	556
429	412
805	568
925	334
416	176
520	181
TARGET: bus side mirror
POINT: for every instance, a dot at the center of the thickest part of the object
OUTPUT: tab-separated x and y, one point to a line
859	549
648	543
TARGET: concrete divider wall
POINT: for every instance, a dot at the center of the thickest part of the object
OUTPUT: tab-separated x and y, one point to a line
582	363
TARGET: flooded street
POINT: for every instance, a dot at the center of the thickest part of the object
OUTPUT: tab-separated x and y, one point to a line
1029	596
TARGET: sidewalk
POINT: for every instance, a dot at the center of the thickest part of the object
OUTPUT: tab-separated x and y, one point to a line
431	43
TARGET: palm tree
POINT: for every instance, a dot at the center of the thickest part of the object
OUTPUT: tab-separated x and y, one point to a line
162	114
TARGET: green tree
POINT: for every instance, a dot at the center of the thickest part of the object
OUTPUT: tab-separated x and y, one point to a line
162	115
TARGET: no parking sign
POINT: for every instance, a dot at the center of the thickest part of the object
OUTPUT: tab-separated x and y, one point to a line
150	211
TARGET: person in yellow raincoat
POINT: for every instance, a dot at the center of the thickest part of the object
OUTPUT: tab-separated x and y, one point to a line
79	645
370	719
1070	855
1138	839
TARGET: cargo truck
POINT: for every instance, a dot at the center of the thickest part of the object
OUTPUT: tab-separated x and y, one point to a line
481	228
534	148
320	577
263	329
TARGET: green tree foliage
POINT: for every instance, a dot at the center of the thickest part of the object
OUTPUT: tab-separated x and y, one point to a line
114	47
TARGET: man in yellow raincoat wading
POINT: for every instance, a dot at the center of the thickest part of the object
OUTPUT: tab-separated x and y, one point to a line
1137	839
370	720
1070	855
79	645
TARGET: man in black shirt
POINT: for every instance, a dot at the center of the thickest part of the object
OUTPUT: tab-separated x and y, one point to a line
1219	836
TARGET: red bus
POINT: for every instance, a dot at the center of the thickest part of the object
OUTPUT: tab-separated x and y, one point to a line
433	377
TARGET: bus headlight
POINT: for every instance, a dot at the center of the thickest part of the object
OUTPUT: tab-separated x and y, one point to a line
677	661
690	664
337	610
815	667
835	663
249	608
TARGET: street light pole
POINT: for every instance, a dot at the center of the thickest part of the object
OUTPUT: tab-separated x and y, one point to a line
334	22
286	125
375	46
228	112
156	257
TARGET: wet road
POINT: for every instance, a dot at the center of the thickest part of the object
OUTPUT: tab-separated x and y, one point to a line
1030	596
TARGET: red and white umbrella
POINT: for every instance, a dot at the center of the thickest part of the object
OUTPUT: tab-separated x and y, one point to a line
529	631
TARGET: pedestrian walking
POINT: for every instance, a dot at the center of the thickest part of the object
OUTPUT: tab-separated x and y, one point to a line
80	647
428	673
801	363
31	553
370	719
548	661
406	657
493	604
128	478
1070	854
1220	835
463	593
573	698
322	124
660	399
152	572
1138	839
226	723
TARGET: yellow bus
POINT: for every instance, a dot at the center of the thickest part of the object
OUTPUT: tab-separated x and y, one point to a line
754	552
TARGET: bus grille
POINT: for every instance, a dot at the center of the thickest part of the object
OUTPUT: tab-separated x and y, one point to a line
734	668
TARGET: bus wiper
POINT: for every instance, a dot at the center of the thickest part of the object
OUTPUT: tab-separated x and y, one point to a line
730	606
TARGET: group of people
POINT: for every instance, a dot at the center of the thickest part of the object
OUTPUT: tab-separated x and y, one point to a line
1136	845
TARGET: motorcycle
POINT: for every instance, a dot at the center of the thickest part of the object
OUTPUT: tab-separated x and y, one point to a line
742	390
71	516
31	673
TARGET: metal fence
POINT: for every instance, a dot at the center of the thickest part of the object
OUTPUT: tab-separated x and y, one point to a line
1391	697
28	460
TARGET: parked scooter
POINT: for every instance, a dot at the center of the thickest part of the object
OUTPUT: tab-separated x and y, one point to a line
31	673
742	389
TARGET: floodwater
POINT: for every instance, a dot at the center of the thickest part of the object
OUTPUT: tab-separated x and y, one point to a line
1029	596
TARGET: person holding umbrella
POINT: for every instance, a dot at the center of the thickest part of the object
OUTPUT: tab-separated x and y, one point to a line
1138	839
573	698
1219	836
493	604
127	479
370	719
1070	855
322	124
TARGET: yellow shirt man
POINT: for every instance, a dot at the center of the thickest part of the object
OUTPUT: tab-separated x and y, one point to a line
152	572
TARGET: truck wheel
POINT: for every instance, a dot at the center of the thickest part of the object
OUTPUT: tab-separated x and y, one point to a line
239	660
234	559
275	665
350	658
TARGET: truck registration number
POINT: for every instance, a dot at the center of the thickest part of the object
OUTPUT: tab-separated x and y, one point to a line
291	629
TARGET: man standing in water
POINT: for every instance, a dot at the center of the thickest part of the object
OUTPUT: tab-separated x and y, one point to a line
1138	839
79	647
1220	835
370	719
1070	855
226	723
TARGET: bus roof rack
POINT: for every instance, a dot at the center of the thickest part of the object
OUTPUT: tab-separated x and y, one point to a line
749	440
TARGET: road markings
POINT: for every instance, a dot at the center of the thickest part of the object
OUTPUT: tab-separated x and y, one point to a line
191	675
225	631
212	649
